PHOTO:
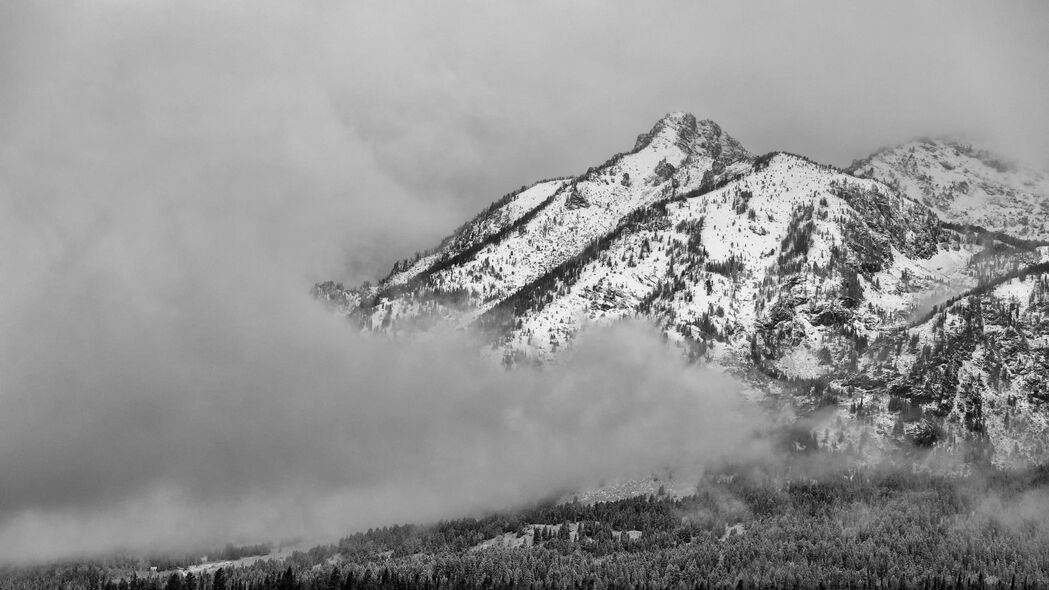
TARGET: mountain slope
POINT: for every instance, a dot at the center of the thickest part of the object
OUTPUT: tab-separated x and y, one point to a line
799	276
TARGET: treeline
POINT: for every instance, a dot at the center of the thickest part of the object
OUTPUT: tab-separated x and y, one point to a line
990	236
616	574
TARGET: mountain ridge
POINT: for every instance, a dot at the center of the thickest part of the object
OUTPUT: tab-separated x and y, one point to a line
775	265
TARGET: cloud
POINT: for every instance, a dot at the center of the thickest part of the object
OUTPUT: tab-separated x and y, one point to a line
174	176
170	190
301	427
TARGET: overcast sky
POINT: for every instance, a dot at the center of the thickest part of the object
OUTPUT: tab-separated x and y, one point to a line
447	106
175	175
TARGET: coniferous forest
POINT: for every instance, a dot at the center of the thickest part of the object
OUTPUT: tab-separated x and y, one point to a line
743	527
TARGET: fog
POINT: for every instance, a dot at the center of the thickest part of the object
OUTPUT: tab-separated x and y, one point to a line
174	176
300	428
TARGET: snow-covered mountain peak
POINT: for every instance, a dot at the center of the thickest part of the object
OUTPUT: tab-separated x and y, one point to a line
667	130
693	137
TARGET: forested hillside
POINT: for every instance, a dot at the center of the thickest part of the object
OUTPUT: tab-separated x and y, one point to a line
789	526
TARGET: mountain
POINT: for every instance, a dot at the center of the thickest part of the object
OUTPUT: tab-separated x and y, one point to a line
965	184
885	310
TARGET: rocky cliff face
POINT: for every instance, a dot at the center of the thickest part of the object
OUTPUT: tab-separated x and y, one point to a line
904	309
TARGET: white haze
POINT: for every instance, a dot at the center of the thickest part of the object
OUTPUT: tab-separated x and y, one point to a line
174	176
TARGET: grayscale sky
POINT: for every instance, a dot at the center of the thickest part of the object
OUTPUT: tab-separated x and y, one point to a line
175	175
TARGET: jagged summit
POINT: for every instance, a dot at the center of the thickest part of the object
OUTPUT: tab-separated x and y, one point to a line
704	137
669	127
866	290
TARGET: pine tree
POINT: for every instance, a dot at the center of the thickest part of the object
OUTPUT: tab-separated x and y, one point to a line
287	581
174	582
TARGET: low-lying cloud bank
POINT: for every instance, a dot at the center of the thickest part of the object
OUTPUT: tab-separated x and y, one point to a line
166	198
302	429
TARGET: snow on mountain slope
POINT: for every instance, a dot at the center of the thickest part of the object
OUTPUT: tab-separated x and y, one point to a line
713	268
973	371
801	277
495	219
964	184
